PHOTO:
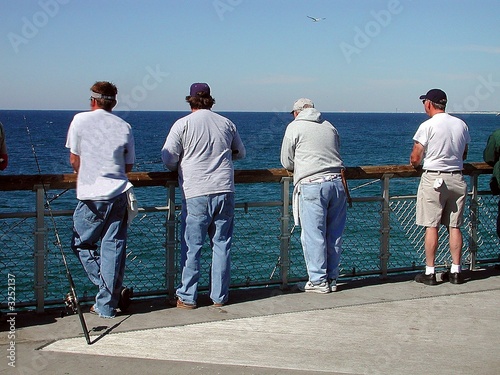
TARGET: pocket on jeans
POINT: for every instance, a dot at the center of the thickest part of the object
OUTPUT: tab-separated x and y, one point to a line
227	208
197	206
310	192
91	212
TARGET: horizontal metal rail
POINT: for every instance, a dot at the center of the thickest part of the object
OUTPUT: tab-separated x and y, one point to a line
381	237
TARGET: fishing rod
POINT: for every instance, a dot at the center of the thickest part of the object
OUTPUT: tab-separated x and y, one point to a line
346	187
55	196
71	299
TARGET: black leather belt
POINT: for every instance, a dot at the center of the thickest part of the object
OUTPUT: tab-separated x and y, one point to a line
448	172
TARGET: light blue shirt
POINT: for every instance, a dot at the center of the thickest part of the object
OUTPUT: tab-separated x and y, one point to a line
201	147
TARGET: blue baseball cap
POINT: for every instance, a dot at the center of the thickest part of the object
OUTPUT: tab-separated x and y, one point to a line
436	96
199	89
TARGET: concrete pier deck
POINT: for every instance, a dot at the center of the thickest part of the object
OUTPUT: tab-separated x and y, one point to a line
369	326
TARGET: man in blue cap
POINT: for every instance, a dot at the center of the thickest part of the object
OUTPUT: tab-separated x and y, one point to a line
201	147
442	143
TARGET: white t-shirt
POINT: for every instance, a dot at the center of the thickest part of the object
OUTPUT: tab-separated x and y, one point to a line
105	144
444	138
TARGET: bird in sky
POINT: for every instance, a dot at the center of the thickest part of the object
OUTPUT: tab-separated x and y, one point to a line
314	19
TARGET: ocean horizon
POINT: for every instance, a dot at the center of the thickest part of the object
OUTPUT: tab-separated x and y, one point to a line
367	138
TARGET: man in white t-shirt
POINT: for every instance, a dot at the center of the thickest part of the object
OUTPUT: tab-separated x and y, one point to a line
102	152
442	142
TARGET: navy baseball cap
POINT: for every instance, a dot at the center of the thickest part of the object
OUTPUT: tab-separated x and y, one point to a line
199	89
436	96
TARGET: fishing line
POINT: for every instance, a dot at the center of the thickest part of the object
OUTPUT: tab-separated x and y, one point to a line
9	229
71	299
278	261
158	161
366	184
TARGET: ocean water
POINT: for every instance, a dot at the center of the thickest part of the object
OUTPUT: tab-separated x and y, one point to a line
366	139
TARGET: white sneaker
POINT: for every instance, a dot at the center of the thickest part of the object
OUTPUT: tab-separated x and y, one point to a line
310	287
333	285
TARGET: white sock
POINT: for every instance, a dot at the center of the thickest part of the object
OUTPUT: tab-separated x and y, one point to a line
455	268
429	270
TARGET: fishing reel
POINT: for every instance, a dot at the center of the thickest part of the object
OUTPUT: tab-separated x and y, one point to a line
70	303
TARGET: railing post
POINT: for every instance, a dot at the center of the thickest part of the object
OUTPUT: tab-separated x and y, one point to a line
474	221
385	227
170	241
285	232
39	254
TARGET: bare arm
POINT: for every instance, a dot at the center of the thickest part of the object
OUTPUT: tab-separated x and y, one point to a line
74	160
417	154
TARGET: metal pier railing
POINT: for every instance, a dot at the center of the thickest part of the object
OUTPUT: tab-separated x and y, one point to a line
380	238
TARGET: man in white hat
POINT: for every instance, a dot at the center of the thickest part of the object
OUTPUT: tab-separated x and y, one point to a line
311	150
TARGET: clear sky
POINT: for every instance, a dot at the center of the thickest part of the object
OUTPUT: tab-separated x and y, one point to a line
257	55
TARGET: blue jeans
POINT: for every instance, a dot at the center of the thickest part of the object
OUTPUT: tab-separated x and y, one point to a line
213	215
322	210
104	221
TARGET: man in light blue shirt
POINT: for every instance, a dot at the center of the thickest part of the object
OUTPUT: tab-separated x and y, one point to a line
201	147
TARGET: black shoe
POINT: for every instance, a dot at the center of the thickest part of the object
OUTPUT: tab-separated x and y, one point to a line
426	279
125	298
172	302
455	277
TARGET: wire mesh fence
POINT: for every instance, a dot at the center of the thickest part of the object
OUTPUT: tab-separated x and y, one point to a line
16	257
256	256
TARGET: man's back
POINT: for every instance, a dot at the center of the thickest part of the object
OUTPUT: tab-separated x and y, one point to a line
445	139
311	146
491	152
204	145
105	145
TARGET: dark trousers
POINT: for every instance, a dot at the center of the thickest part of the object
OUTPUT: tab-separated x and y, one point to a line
498	220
